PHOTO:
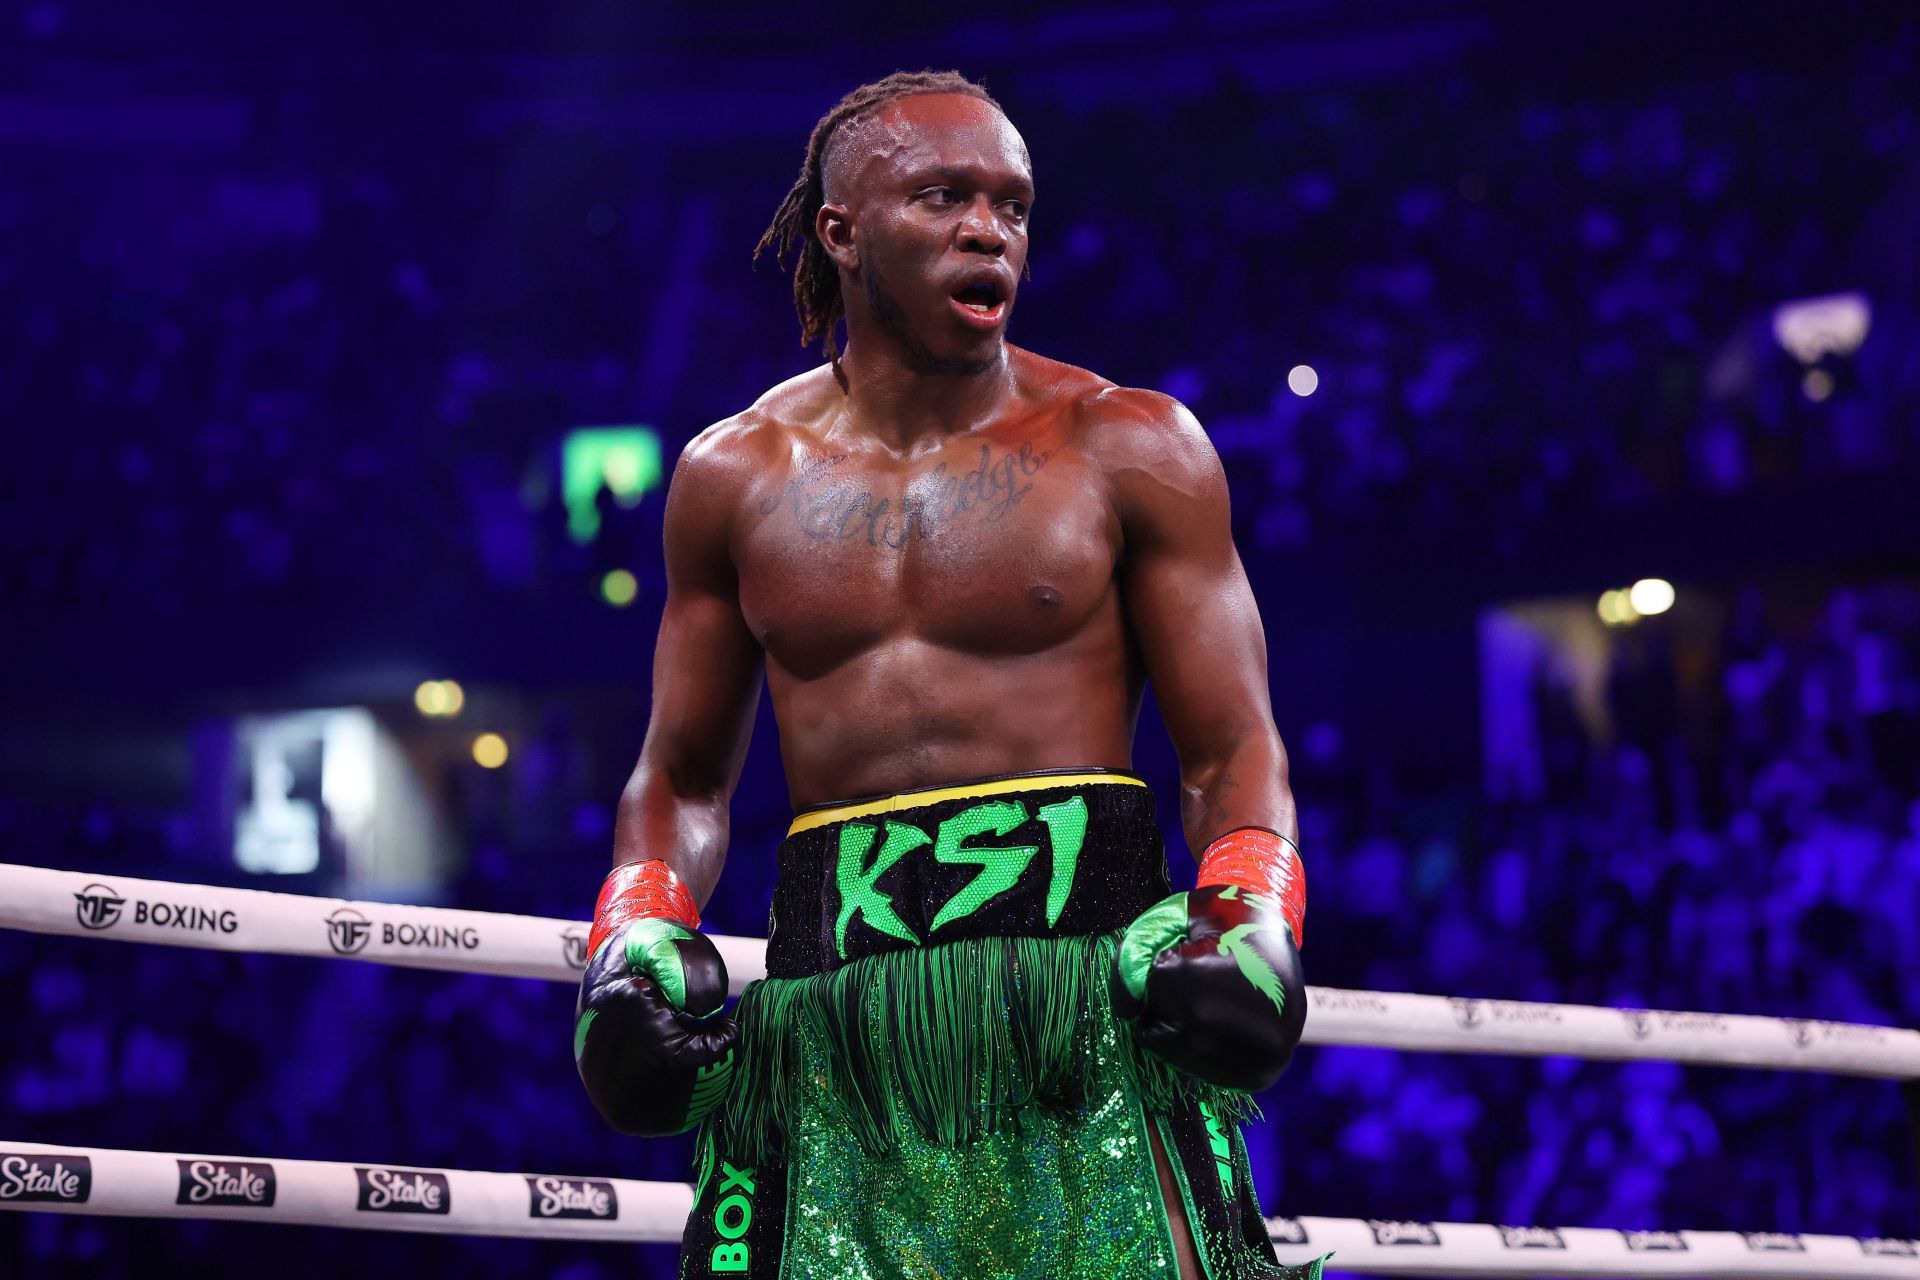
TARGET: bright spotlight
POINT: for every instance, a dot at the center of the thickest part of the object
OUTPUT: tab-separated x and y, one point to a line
1651	596
619	588
439	699
1615	609
489	751
1834	324
1302	380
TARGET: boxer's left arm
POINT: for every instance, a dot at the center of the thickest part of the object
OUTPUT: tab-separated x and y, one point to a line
1212	978
1193	615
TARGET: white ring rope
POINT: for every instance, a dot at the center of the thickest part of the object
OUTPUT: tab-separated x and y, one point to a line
168	1184
188	915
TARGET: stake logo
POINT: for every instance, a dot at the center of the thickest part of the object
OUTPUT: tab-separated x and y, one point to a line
1286	1231
572	1198
1881	1247
225	1182
348	931
402	1191
1393	1231
1531	1238
1773	1242
97	907
1654	1241
573	948
56	1178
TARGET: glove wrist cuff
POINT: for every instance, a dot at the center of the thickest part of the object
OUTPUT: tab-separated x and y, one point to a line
640	891
1261	862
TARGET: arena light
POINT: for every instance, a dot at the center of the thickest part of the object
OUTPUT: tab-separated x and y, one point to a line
619	588
1650	596
490	751
1832	324
1817	385
1616	609
439	699
625	461
1302	380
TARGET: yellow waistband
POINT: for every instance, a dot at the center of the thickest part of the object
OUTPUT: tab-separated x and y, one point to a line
934	795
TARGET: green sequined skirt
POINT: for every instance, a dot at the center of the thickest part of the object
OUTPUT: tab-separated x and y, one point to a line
968	1107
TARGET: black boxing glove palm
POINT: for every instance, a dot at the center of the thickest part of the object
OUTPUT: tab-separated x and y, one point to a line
652	1047
1212	983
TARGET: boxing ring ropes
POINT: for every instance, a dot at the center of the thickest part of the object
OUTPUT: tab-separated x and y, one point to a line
89	1180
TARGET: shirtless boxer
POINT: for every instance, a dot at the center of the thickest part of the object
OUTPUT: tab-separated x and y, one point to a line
991	1042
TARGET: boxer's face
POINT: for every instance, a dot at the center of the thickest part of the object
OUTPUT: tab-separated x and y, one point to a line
927	206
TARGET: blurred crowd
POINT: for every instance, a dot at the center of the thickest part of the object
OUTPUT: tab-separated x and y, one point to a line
323	360
1753	848
315	360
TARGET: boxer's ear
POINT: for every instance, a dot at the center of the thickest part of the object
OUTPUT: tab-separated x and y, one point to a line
833	226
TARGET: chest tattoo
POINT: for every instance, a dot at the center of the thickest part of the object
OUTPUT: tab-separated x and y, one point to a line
833	508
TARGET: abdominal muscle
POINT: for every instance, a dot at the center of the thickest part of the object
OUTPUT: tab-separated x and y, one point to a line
909	713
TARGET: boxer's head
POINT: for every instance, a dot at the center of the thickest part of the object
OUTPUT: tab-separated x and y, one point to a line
910	214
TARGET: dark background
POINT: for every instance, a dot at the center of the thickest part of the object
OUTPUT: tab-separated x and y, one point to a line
298	303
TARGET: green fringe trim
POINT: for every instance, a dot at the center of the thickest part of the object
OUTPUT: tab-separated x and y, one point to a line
953	1042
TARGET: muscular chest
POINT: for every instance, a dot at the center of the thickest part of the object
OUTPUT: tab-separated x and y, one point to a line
985	548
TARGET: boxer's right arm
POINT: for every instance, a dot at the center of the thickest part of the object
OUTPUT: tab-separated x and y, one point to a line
707	670
652	1046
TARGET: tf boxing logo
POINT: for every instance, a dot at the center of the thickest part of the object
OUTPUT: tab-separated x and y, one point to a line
97	907
348	931
56	1178
244	1183
573	947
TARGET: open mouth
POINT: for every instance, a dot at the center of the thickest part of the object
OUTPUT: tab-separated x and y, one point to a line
981	301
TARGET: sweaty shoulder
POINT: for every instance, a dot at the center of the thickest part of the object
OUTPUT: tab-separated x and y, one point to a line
1144	439
731	455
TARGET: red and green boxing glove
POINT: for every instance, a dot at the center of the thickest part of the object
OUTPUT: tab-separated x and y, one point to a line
1211	979
652	1046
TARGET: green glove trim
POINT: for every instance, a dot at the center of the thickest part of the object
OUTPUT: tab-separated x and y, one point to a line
1162	925
580	1030
1253	965
652	952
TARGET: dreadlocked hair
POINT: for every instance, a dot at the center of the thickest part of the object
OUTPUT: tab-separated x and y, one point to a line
816	281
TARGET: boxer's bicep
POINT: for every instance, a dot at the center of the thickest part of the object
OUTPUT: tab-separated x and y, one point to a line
707	672
1199	630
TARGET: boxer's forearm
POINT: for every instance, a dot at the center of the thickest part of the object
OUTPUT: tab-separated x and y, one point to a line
683	824
1246	786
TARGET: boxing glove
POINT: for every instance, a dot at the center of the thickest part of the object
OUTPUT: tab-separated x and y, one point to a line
652	1046
1211	980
